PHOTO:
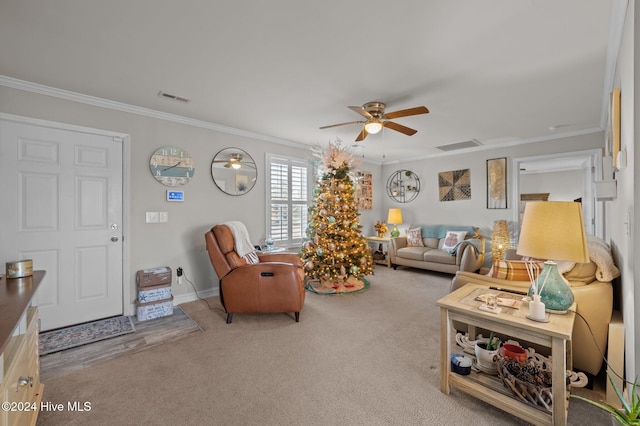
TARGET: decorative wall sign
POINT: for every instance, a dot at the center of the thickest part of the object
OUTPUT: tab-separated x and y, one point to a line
455	185
497	183
364	193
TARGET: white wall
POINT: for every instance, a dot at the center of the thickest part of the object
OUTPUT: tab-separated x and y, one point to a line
428	209
624	242
561	186
180	242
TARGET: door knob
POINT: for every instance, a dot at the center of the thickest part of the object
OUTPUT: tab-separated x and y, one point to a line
114	239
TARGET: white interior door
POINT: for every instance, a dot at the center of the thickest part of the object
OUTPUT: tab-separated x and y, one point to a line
62	207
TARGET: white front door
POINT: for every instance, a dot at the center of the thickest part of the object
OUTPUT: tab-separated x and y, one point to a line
62	207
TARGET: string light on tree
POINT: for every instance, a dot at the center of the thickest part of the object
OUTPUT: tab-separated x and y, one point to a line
336	248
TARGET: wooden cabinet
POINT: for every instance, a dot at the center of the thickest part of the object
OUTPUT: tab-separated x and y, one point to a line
20	387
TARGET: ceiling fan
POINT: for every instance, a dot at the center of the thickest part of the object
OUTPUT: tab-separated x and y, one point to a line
377	119
234	161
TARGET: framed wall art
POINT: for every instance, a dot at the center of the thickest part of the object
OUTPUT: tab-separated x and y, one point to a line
613	127
455	185
364	191
497	183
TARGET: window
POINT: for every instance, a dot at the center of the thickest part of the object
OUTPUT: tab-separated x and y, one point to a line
287	198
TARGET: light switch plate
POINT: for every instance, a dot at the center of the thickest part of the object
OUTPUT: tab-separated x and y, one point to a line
152	217
163	217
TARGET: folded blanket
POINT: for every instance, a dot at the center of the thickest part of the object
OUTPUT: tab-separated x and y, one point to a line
242	244
600	254
475	244
440	231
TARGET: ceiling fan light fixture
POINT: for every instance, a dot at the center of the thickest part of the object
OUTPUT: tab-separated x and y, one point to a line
235	165
373	126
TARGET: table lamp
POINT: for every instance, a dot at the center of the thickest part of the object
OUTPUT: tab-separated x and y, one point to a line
395	218
500	239
553	230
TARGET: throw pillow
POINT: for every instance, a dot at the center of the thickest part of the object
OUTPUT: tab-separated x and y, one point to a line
452	239
414	238
514	270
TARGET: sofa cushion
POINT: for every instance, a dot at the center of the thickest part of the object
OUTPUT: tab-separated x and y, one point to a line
431	242
413	253
514	270
414	238
583	272
452	239
439	256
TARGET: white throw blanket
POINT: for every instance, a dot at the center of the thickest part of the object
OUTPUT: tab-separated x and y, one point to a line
600	254
241	243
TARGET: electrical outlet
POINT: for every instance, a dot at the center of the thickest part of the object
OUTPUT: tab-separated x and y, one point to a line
179	273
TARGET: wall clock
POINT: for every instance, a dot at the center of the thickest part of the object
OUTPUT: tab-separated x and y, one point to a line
172	166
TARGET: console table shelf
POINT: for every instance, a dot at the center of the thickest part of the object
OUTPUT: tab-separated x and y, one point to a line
556	335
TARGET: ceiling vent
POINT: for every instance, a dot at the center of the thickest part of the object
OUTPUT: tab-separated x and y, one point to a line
460	145
173	97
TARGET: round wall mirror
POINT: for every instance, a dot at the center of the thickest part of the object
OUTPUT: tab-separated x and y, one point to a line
234	171
403	186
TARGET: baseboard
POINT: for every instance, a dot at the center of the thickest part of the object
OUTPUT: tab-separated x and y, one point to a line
178	299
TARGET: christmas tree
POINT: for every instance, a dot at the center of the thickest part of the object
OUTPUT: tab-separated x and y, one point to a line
336	248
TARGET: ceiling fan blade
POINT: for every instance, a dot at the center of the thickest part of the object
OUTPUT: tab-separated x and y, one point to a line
341	124
400	128
407	112
363	134
361	111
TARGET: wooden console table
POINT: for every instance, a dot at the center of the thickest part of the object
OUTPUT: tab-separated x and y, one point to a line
20	387
555	334
381	241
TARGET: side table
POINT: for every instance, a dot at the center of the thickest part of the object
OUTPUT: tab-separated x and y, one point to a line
555	334
379	242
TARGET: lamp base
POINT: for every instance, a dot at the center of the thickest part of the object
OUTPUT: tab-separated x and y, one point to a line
553	289
395	232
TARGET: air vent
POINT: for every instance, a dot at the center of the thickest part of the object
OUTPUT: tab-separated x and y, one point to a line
173	97
459	145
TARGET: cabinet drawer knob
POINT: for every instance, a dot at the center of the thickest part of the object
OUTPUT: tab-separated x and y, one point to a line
24	381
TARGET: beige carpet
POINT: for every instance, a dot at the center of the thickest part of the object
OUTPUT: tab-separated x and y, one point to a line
362	359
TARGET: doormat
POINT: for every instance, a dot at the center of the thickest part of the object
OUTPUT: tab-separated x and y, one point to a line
351	286
82	334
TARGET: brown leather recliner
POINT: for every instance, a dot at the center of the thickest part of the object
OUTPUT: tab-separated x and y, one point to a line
275	284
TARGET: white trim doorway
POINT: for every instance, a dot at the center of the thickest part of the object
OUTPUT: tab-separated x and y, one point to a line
590	157
128	306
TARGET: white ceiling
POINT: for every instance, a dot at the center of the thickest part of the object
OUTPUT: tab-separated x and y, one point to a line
494	70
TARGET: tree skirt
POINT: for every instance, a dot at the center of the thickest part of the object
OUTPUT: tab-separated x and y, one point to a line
337	286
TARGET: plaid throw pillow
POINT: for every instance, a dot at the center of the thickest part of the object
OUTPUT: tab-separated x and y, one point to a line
514	270
414	238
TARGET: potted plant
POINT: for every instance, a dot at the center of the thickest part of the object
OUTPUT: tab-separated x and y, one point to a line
486	351
381	228
629	414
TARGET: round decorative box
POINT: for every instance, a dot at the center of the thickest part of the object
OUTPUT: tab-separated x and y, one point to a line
461	364
19	268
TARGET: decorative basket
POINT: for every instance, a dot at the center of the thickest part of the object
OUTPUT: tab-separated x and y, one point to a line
530	381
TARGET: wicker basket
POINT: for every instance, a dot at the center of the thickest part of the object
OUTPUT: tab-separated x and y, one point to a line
530	381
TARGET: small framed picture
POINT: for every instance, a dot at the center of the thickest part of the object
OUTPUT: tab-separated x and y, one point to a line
497	183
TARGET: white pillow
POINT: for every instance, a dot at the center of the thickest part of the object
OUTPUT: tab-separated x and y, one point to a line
452	239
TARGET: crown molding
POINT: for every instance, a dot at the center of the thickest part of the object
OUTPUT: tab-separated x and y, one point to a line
499	145
132	109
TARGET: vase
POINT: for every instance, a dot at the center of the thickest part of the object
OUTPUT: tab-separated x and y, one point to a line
380	234
484	357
